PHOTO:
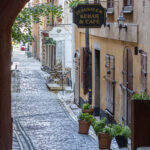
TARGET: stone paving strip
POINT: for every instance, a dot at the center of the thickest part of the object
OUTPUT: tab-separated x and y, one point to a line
24	142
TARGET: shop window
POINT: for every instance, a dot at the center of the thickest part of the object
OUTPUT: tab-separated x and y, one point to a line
144	72
110	83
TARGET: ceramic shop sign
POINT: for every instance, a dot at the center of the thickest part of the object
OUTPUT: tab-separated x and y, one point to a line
89	16
58	33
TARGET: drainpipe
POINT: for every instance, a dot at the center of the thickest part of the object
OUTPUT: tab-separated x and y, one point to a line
90	61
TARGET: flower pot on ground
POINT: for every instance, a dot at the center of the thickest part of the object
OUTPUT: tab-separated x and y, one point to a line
140	122
121	141
105	137
86	108
122	133
85	120
104	132
104	140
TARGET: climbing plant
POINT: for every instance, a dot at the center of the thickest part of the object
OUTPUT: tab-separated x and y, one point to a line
22	27
49	41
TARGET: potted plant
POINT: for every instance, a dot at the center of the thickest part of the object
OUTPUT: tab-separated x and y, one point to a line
86	108
59	18
85	120
104	132
74	3
122	133
140	122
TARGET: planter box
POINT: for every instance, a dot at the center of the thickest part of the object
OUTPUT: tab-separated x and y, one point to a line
90	111
122	141
140	123
104	141
83	127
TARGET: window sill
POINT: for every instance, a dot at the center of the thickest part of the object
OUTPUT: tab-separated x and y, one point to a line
110	10
128	9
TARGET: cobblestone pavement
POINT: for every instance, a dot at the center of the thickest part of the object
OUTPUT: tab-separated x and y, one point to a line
40	122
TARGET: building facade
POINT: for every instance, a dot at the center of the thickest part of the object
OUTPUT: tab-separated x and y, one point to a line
119	59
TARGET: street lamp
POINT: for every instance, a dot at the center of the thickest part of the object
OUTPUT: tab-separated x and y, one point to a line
121	23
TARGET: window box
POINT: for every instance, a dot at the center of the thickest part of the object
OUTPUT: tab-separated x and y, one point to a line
110	10
128	9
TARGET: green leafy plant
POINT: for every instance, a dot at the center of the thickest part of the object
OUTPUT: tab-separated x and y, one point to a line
110	130
21	29
86	106
49	41
142	96
74	3
86	117
122	130
99	125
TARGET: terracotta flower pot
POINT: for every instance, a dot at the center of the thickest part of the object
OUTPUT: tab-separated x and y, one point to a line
83	126
90	111
104	140
59	19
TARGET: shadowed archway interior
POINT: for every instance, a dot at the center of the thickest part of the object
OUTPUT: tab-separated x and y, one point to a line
9	10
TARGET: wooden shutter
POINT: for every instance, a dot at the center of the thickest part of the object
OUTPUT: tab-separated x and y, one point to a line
144	72
108	3
110	87
127	2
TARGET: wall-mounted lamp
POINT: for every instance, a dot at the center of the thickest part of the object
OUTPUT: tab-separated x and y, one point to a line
108	25
137	50
121	23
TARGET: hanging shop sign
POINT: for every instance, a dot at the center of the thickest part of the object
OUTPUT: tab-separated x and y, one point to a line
89	16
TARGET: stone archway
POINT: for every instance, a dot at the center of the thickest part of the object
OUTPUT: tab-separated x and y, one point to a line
9	9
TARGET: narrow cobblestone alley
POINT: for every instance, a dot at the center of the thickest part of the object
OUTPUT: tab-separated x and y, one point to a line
40	122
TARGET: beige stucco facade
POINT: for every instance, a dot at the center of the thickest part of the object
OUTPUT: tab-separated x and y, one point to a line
113	40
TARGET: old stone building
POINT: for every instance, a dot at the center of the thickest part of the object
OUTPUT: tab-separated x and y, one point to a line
120	53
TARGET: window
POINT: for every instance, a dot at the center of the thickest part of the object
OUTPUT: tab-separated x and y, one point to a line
110	83
127	2
110	4
144	72
128	6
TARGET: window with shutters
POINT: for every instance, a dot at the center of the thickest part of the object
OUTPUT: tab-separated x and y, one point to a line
84	70
144	72
128	6
127	2
110	4
110	10
110	83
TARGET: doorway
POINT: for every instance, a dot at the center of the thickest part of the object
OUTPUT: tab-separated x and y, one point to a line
127	85
97	83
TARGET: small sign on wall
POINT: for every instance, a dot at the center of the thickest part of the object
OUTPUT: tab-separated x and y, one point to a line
89	16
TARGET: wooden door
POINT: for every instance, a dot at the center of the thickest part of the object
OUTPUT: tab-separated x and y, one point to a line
127	84
77	79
